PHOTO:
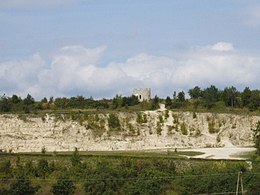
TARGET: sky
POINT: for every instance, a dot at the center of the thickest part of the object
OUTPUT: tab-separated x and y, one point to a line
101	48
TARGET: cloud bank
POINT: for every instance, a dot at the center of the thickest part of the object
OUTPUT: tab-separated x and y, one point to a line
74	70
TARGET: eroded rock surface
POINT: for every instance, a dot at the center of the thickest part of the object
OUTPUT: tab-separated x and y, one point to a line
138	131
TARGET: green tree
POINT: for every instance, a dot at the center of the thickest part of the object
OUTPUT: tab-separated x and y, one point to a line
245	96
181	96
229	96
21	186
61	102
75	159
254	102
64	186
44	100
168	102
29	168
149	182
116	102
51	100
154	103
210	95
29	100
129	101
15	99
43	168
195	93
5	167
174	95
5	105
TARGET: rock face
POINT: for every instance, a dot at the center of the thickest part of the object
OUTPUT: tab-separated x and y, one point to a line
137	131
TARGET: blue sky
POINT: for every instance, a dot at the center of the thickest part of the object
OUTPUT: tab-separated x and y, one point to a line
105	47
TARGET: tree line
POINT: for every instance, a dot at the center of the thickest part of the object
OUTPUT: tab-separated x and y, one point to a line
212	96
207	98
28	104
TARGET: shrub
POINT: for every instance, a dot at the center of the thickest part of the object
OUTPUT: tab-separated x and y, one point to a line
170	128
212	127
22	185
130	128
5	167
43	168
114	122
194	115
218	139
184	130
160	119
75	159
139	119
159	128
144	118
63	186
175	119
43	150
166	114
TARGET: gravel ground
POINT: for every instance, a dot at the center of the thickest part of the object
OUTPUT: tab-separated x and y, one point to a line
221	153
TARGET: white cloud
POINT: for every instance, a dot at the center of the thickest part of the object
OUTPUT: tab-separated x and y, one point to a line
73	71
18	76
223	46
34	3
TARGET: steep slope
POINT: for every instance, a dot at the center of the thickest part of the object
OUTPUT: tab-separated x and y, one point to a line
135	131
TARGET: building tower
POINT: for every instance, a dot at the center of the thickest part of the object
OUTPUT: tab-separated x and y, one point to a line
142	94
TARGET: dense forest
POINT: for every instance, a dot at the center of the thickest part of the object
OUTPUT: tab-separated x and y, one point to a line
97	174
210	98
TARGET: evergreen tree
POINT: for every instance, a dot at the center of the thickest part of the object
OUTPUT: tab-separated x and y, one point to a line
21	186
195	93
75	159
168	102
64	186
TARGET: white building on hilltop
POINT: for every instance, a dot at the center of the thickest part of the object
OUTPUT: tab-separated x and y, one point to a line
142	94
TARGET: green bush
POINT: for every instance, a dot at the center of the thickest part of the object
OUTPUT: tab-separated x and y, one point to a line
160	119
21	186
114	122
159	128
166	114
43	168
64	186
212	127
75	158
175	118
184	130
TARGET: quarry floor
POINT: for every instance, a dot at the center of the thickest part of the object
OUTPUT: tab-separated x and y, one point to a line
221	153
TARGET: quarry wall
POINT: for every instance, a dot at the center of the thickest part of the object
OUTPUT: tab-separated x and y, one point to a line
137	131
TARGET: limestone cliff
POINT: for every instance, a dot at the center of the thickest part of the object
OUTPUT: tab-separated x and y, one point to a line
137	131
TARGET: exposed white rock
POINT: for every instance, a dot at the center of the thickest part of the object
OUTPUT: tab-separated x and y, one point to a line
31	134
